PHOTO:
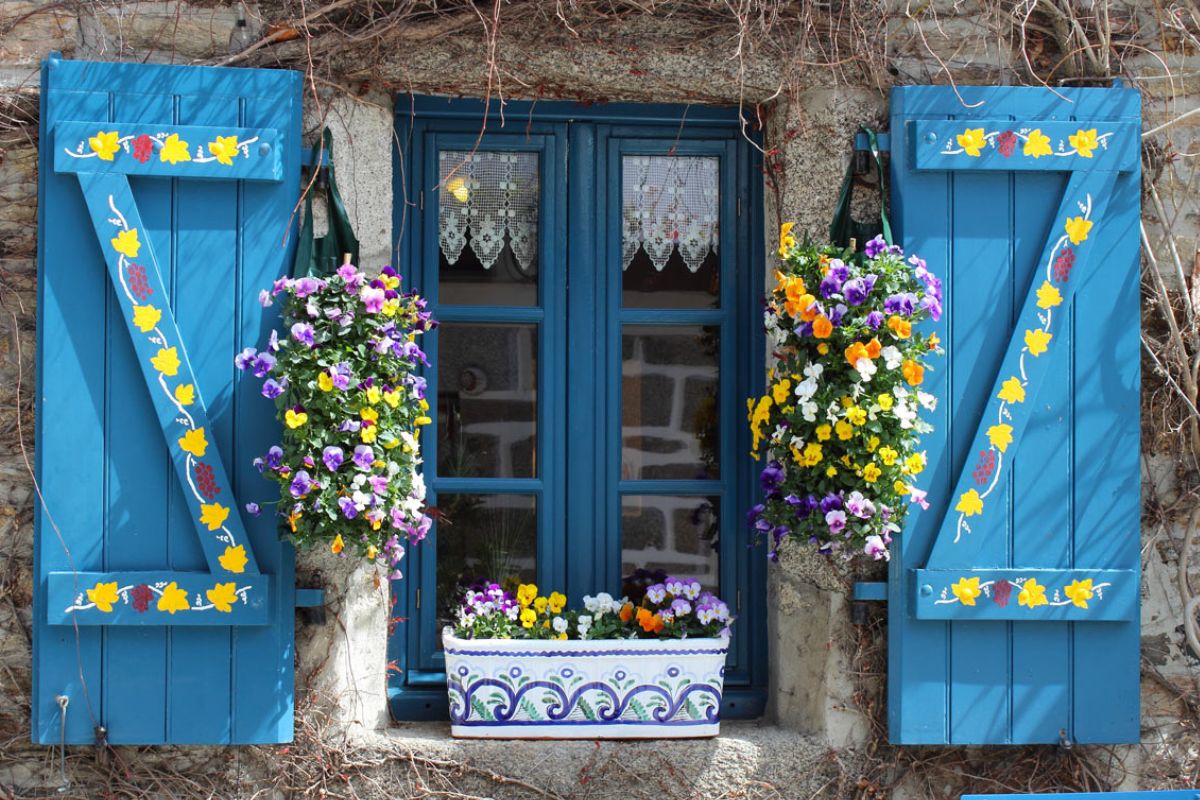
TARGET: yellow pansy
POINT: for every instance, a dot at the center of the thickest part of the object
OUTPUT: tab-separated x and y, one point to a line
781	390
294	419
857	415
824	432
373	396
223	596
172	599
174	150
915	464
324	382
422	420
872	444
823	349
372	551
185	393
871	473
213	515
556	602
390	307
1079	592
392	398
337	545
1037	340
389	281
843	429
233	559
540	603
1077	229
126	243
526	592
1048	296
786	239
846	460
368	433
194	442
888	456
1032	594
225	148
966	590
813	453
103	595
104	144
886	401
146	317
528	617
970	503
1037	144
1000	436
423	404
1011	391
1084	142
971	140
831	472
759	413
167	361
900	487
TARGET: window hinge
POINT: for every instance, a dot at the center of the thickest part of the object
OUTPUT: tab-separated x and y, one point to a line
738	600
739	206
421	199
418	599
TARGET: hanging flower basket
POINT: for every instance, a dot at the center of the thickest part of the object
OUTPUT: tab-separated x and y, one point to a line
615	671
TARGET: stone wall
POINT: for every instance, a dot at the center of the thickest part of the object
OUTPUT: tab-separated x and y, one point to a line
821	737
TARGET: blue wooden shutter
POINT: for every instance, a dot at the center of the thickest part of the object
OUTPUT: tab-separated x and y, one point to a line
1013	600
162	612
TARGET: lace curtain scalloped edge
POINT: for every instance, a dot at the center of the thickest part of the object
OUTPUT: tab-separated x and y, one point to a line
493	196
669	204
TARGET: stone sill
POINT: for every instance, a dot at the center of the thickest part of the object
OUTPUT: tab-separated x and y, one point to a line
746	754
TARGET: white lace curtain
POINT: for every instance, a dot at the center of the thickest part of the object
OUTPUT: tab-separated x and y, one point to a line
490	194
669	203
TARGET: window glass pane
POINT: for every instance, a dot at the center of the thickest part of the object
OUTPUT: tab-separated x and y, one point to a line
674	535
488	228
669	234
487	400
669	401
483	538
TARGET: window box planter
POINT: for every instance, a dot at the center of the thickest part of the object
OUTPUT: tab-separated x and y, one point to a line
604	689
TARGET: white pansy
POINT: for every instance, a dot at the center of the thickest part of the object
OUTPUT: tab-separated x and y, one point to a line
559	624
927	401
905	413
866	369
418	487
806	388
814	371
891	357
778	434
796	442
809	411
900	392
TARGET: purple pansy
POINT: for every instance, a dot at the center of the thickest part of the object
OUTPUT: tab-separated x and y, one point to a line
372	298
275	457
271	388
830	502
347	506
252	509
855	291
364	456
836	520
875	247
333	457
262	364
302	484
303	332
244	359
379	484
306	286
874	320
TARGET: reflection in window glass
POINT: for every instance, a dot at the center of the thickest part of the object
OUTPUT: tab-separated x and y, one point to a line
672	535
483	538
487	400
669	232
488	228
669	401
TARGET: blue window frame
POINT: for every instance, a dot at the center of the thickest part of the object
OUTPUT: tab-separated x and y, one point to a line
574	343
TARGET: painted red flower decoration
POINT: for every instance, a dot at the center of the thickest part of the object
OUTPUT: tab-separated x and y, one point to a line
1006	143
141	596
1063	263
143	148
1001	592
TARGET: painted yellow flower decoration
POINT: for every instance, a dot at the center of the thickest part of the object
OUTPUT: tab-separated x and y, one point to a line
294	419
225	148
213	515
1032	594
1011	391
1037	144
1048	296
194	442
167	361
966	590
971	140
104	144
126	243
233	559
174	150
223	596
1084	142
1079	592
146	317
969	503
1000	436
1037	340
173	599
103	595
185	393
1077	229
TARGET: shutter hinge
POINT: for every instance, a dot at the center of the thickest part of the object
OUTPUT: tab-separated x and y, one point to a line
738	600
421	200
739	206
418	602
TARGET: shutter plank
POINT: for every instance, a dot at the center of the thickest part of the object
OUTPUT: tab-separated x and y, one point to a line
983	303
139	472
263	657
206	275
1041	663
72	287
